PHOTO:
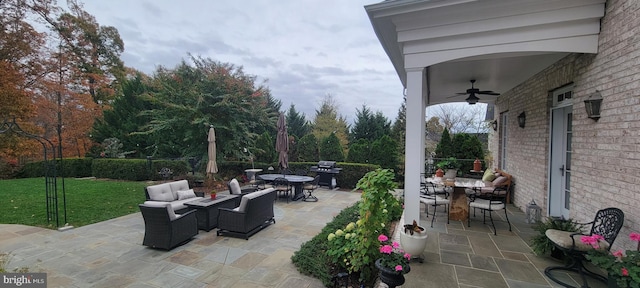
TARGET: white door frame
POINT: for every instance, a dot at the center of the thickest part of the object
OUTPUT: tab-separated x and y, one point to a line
558	194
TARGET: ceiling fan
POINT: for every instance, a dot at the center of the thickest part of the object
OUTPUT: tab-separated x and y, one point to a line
473	99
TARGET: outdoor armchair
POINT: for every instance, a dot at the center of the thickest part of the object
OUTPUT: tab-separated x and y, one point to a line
495	200
164	229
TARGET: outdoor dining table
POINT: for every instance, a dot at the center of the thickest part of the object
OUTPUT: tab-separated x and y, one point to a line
297	182
459	208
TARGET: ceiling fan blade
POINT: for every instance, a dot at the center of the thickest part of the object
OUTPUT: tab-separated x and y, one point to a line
488	93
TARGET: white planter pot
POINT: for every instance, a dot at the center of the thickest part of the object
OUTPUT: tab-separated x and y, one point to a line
450	174
413	244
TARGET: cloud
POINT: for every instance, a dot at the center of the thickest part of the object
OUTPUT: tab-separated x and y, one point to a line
304	49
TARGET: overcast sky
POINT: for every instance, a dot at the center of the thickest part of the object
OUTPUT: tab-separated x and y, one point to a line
303	49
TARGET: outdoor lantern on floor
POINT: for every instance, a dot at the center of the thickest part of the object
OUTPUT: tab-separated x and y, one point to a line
533	212
592	105
521	119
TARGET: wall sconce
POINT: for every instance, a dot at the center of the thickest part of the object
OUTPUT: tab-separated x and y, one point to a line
593	104
522	119
494	125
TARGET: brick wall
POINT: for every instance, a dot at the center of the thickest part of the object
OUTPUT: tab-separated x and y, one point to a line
606	153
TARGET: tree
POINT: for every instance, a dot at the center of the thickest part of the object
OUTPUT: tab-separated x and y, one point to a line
330	148
384	152
187	99
265	150
445	146
125	118
399	128
359	151
369	126
297	125
459	118
308	149
328	122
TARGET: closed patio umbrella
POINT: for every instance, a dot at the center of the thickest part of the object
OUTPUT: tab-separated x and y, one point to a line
282	143
212	166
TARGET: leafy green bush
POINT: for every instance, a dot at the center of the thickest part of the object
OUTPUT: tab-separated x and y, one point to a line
540	244
312	258
124	169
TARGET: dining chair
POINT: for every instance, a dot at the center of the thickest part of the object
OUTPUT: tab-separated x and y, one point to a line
301	172
435	201
282	187
309	188
607	223
489	202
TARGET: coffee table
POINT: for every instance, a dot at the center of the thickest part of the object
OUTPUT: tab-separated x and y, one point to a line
207	209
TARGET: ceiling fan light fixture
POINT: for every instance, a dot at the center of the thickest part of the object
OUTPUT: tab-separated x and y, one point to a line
472	99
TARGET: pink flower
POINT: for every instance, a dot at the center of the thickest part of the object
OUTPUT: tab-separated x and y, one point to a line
624	271
592	240
395	244
635	236
407	256
386	249
382	238
618	254
399	268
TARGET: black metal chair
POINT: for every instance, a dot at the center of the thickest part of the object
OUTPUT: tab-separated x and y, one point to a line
164	229
282	187
607	224
493	201
301	172
309	188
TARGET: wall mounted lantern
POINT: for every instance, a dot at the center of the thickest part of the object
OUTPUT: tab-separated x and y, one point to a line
494	125
522	119
593	104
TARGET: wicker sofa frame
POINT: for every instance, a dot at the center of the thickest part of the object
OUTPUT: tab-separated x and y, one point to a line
256	215
160	231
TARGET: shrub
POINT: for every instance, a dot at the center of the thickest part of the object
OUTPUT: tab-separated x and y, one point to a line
312	258
71	167
330	148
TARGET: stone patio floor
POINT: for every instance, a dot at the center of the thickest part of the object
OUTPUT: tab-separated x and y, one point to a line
110	254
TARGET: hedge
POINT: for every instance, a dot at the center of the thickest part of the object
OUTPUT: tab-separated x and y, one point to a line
71	167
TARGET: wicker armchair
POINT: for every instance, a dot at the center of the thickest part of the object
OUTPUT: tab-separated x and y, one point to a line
254	213
164	229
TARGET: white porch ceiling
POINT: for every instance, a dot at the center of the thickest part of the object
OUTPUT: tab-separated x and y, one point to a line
499	43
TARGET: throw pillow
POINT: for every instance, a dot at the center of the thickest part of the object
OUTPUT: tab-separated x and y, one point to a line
499	181
234	187
488	176
186	194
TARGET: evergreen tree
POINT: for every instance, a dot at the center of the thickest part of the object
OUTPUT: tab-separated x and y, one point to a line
359	151
330	149
265	148
399	128
384	152
308	149
327	122
369	126
445	146
297	124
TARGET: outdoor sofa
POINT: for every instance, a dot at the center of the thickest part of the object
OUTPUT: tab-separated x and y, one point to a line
254	213
175	193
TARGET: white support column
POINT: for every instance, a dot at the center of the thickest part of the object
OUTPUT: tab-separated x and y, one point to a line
414	144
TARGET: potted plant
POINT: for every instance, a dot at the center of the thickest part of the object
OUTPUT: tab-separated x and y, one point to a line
541	245
623	268
413	240
213	194
450	166
393	262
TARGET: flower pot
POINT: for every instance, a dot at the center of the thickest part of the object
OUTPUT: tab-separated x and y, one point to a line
213	196
413	244
390	276
450	174
439	173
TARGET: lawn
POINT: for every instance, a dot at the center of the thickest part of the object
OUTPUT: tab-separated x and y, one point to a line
88	201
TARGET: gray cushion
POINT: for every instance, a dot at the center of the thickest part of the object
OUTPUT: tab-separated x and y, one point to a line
176	186
234	187
486	204
172	214
563	239
246	198
433	200
161	192
186	194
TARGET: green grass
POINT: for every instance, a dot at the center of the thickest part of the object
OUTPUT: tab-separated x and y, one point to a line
88	201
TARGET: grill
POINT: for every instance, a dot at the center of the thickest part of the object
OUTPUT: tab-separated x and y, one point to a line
327	171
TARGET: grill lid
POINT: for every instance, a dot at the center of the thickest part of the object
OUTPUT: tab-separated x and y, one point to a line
326	164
